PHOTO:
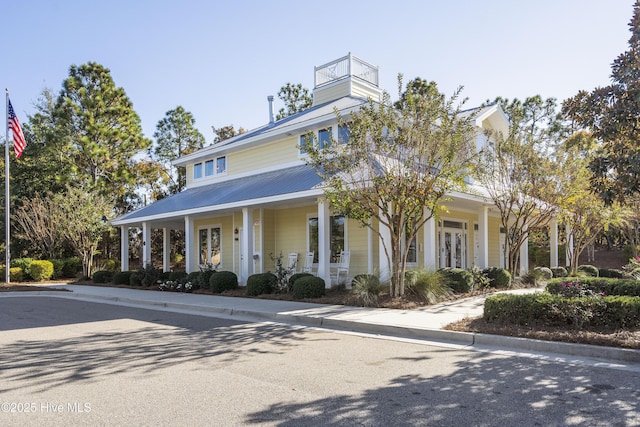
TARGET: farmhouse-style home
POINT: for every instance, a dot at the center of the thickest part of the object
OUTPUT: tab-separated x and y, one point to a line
253	195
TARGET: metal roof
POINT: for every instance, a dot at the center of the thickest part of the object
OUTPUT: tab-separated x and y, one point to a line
208	197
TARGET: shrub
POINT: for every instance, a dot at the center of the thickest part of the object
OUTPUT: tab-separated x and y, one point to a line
111	265
480	280
308	287
135	279
559	272
596	285
222	281
612	272
261	283
429	285
41	270
461	281
178	276
58	266
15	274
295	277
150	276
204	279
499	277
589	270
122	277
72	266
24	264
102	276
366	288
543	273
194	278
589	313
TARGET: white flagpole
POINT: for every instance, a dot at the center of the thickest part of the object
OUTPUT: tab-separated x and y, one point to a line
6	193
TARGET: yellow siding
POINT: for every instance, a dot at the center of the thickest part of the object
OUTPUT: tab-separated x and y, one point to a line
358	241
494	242
365	91
291	229
283	151
331	92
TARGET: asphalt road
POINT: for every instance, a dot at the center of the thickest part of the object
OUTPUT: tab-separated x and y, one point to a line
68	362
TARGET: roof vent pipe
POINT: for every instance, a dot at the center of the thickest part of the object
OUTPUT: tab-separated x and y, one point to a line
270	99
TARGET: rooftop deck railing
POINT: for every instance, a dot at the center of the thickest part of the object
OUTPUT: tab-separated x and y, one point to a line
344	67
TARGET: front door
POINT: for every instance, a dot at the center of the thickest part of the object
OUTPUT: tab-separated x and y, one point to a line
453	245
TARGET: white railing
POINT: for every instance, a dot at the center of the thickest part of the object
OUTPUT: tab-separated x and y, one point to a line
344	67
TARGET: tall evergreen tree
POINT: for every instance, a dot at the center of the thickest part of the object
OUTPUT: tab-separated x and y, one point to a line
295	97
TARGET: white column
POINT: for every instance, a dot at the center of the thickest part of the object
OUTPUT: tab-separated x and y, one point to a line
430	240
569	247
190	257
124	248
385	264
483	237
247	243
524	255
553	243
146	244
324	238
166	249
370	266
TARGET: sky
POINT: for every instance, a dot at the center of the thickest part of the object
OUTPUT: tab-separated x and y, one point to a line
220	59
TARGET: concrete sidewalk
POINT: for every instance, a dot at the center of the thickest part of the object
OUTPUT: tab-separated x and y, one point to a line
422	323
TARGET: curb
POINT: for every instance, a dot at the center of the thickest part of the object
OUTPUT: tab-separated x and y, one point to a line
468	339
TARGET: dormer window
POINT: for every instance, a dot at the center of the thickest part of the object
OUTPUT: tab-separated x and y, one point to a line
211	168
324	138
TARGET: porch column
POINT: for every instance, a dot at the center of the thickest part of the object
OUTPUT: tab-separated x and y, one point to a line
246	251
189	256
166	250
324	238
430	240
524	255
385	265
483	237
370	267
569	247
553	243
146	244
124	248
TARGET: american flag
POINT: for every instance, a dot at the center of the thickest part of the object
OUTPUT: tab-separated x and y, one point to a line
19	144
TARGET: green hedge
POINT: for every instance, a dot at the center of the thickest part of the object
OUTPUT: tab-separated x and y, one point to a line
613	273
178	276
295	277
72	266
15	274
498	277
41	270
122	277
308	287
543	309
461	281
599	285
58	266
559	271
261	283
102	276
589	270
221	281
24	264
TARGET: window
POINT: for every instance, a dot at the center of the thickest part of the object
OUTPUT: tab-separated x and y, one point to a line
412	255
211	167
209	242
324	138
304	140
336	237
197	171
208	168
343	134
221	165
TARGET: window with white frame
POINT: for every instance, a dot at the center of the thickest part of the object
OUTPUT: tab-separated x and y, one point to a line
322	140
343	134
336	236
210	244
211	168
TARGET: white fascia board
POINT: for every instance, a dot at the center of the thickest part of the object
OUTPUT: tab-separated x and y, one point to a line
227	206
268	135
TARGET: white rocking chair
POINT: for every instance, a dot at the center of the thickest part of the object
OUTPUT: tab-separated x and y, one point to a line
342	268
308	262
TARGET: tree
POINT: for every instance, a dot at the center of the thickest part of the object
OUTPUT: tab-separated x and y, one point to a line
295	97
398	166
519	172
80	217
101	132
37	223
226	132
611	114
176	135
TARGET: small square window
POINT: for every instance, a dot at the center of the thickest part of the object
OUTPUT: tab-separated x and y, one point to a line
197	171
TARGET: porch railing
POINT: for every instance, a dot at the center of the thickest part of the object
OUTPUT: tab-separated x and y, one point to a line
345	67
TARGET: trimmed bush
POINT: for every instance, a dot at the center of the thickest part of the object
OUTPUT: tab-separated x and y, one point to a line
586	313
41	270
15	274
24	264
261	283
461	281
194	278
222	281
308	287
559	272
295	277
102	276
597	285
58	266
72	266
135	279
613	273
499	277
543	273
122	277
366	288
111	265
204	280
178	276
589	270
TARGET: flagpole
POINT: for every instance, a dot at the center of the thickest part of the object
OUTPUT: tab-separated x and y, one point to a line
7	256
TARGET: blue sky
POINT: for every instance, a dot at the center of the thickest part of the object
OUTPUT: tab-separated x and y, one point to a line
221	59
